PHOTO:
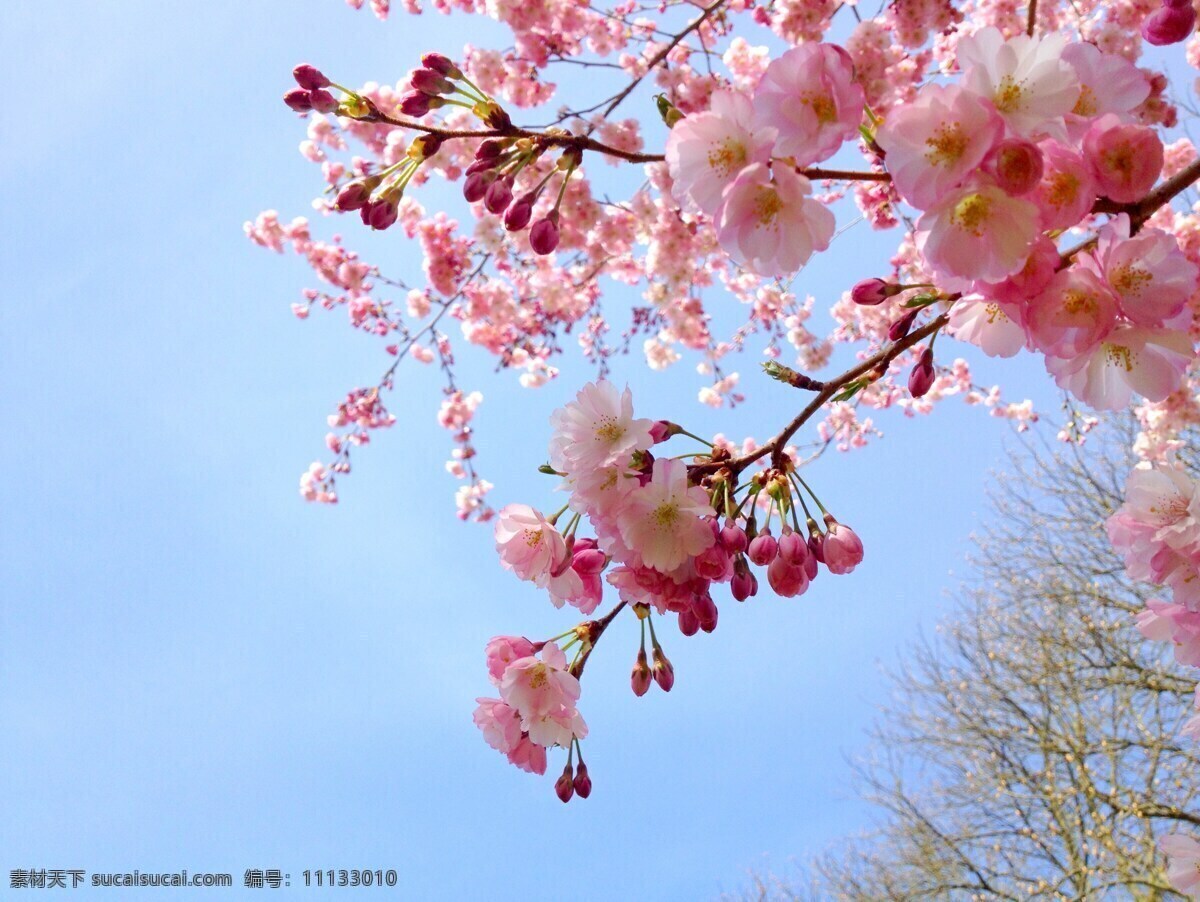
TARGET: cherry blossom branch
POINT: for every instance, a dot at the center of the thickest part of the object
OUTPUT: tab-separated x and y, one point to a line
595	629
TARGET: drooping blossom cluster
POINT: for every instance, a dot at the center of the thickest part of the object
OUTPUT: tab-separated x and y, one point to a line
667	534
1019	149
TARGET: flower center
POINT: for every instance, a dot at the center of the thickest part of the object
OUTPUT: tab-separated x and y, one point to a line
533	537
823	107
609	430
727	157
537	676
946	144
666	514
995	314
971	213
1063	190
767	204
1086	104
1076	302
1120	356
1129	279
1009	96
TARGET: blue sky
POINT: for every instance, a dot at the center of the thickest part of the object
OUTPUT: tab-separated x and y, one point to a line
199	671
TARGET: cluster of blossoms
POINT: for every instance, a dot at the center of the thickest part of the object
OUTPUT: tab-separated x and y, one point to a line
667	532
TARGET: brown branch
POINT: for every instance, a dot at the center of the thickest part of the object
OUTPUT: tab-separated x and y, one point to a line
595	629
1031	20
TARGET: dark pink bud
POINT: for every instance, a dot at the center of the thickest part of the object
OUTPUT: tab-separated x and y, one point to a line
816	542
489	149
482	165
322	101
476	185
429	82
1016	165
870	292
763	548
1169	25
920	380
664	673
843	547
733	537
589	560
640	678
499	195
383	214
441	65
787	580
662	430
310	78
298	99
688	624
416	104
901	326
583	783
705	610
352	197
543	237
744	585
564	786
793	549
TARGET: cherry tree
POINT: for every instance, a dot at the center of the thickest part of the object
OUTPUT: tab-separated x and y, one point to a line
1028	167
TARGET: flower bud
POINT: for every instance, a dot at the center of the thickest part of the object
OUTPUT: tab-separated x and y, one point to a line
763	548
1016	164
424	147
543	237
442	65
901	327
664	673
1169	25
353	196
688	624
493	115
787	580
705	610
489	149
843	547
310	78
640	678
429	82
744	584
662	430
733	537
816	541
920	380
870	292
416	104
322	101
298	99
583	783
476	185
383	214
499	195
792	548
564	786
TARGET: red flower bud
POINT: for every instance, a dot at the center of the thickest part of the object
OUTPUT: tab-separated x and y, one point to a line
664	673
688	624
298	99
518	215
499	195
322	101
564	786
476	185
763	548
870	292
1169	25
442	65
382	215
416	104
543	237
583	783
901	327
310	78
352	197
640	678
920	380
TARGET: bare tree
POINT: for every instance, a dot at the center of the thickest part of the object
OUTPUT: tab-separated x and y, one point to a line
1031	749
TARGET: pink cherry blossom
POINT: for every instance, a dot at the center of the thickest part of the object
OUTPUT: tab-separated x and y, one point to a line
1183	862
502	651
1108	83
1074	312
1150	362
1068	187
810	96
528	543
500	724
994	327
1150	275
666	520
769	224
1163	621
843	549
539	687
596	429
978	232
1025	78
1127	159
529	756
706	151
935	142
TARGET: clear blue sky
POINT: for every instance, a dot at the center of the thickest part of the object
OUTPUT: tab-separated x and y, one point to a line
199	671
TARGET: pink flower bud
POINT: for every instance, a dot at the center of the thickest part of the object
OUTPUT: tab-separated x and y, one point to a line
543	237
352	197
382	214
787	580
640	677
705	610
920	380
298	99
589	560
1170	24
476	185
322	101
441	65
310	78
763	548
518	215
870	292
1016	165
843	547
733	537
662	430
489	149
688	624
744	585
583	783
564	786
416	104
499	195
1127	159
429	82
664	673
901	327
792	548
816	542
